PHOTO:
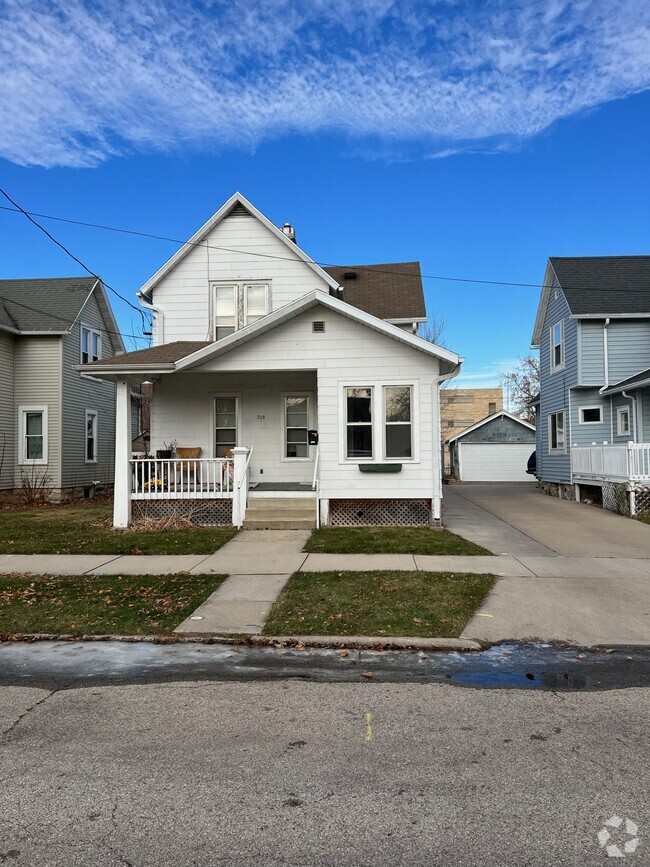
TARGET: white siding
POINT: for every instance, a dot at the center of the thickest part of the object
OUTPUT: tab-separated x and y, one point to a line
184	297
38	382
347	353
7	430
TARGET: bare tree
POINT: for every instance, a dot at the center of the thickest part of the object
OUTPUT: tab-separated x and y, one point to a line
433	330
522	385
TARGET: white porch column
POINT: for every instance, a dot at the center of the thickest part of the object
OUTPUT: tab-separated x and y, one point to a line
122	488
240	485
437	452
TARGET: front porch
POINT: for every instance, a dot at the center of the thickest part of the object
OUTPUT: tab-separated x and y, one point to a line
614	468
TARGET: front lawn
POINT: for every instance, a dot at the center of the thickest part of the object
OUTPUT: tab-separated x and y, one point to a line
423	604
81	528
389	540
100	605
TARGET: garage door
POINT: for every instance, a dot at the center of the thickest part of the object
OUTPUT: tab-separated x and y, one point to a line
495	462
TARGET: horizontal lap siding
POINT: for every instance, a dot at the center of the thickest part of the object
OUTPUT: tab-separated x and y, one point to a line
629	347
37	381
79	394
183	411
183	295
587	434
501	430
554	388
592	365
355	354
7	430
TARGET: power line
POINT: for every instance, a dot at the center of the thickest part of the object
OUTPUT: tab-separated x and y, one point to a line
29	216
325	265
65	319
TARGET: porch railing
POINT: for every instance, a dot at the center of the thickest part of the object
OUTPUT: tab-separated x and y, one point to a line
182	479
629	462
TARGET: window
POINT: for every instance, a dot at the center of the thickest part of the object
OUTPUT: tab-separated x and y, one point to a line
359	423
225	311
225	412
397	414
557	345
591	415
296	424
91	344
623	428
492	408
556	438
237	305
33	434
91	436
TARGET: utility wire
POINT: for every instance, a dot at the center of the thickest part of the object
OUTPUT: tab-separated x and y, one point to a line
29	216
325	265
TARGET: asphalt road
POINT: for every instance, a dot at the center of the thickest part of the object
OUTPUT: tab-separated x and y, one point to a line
298	773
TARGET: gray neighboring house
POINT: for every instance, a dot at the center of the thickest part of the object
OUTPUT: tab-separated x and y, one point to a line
495	449
54	420
593	410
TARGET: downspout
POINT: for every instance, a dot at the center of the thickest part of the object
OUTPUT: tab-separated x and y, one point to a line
605	357
634	414
158	317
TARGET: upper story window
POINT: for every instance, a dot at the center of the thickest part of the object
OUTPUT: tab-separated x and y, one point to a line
557	346
91	344
492	407
237	305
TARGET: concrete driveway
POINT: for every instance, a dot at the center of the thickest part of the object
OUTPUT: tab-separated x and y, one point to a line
517	518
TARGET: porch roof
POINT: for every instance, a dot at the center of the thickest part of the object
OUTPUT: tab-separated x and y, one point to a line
639	380
184	355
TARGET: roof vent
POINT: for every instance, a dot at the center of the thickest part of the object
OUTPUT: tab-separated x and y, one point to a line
289	231
350	275
318	327
239	211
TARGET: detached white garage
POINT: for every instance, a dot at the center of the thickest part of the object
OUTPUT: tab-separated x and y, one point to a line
495	449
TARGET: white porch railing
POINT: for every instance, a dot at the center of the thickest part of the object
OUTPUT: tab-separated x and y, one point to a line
628	462
186	479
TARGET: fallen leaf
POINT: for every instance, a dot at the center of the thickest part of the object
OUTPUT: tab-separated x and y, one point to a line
609	650
417	620
367	674
285	686
344	652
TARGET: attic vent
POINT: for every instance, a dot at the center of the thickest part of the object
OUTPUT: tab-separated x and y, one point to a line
318	327
239	211
350	275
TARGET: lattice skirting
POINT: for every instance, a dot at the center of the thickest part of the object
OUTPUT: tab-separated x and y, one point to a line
380	513
616	498
642	499
203	513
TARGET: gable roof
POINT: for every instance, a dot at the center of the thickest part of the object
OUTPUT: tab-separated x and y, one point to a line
183	355
235	202
47	304
390	291
489	419
598	286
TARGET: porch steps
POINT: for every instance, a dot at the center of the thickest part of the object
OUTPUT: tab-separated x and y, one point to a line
280	513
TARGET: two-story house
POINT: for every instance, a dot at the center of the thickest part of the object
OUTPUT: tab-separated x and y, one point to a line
593	410
288	390
56	423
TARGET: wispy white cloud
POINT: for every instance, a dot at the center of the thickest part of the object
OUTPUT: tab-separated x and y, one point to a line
484	375
83	80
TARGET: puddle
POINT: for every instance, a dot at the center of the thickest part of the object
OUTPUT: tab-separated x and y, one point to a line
496	679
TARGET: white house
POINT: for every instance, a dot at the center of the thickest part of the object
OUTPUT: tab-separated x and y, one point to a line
280	383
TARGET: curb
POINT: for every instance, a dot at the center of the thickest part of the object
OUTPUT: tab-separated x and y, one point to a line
299	642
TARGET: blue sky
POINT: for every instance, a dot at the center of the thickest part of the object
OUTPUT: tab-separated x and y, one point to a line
479	138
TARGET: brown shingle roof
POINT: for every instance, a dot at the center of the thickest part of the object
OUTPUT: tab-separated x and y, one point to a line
167	353
389	291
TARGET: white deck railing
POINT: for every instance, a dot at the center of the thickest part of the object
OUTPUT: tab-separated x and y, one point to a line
629	462
182	479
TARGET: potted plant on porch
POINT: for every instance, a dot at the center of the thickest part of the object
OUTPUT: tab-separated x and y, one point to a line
166	451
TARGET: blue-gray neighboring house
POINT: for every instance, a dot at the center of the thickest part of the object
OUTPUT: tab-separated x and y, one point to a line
593	409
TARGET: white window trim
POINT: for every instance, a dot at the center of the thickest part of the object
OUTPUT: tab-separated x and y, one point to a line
88	413
378	420
414	428
214	396
283	421
591	406
240	300
556	367
91	330
23	459
619	413
562	449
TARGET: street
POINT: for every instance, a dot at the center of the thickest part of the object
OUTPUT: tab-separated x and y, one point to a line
305	773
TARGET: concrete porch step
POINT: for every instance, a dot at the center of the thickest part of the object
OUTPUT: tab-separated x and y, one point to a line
273	522
276	503
255	512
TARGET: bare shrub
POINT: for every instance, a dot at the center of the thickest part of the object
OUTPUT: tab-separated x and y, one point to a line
35	487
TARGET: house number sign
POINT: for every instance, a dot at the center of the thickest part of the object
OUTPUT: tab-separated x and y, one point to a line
260	417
